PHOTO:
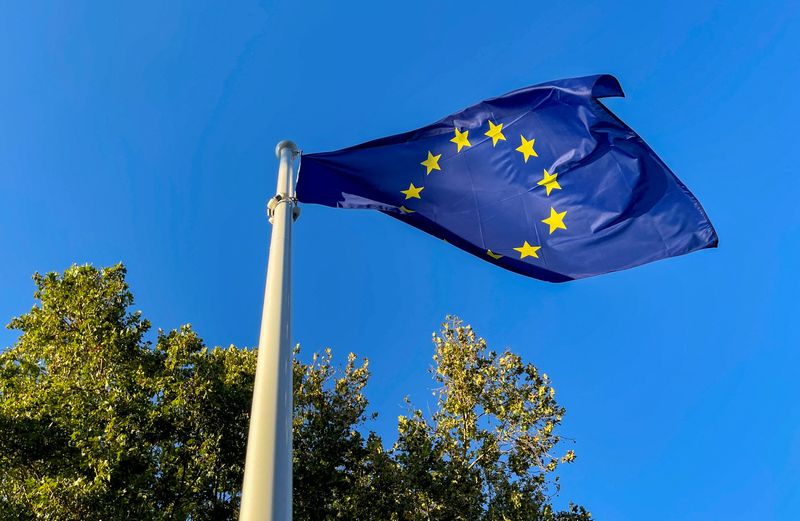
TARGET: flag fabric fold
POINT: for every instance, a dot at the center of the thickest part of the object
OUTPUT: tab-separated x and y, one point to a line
544	181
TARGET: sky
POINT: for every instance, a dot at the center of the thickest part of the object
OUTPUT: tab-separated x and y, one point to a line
144	133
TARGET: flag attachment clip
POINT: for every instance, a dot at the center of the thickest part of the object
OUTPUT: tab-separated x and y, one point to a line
273	203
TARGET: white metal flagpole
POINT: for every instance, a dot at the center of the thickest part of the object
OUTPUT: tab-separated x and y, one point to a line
267	488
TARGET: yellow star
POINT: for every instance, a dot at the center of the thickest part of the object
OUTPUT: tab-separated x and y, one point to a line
496	133
526	148
461	139
493	255
549	181
526	250
432	163
406	210
556	220
413	191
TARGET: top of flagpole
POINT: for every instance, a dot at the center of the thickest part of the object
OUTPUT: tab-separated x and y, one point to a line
286	143
286	179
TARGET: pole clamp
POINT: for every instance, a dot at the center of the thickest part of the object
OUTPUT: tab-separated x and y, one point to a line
273	203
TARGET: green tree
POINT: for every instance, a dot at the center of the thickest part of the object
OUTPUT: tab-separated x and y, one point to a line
489	445
101	421
97	423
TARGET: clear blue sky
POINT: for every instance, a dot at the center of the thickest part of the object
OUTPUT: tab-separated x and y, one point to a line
145	134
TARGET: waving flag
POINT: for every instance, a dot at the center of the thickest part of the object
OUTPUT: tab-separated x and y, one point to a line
544	181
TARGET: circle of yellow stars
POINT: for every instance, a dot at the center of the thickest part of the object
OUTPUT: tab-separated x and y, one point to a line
549	182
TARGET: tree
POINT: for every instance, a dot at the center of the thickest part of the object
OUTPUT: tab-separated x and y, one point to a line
96	423
488	447
101	420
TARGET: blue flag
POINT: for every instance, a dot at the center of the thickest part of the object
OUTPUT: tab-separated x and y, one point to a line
544	181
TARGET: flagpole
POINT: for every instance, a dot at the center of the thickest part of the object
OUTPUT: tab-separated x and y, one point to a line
267	487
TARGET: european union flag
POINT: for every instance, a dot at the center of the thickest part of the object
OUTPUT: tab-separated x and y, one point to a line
544	181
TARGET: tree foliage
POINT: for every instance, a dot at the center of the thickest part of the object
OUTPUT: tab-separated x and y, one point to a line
97	423
101	420
489	445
